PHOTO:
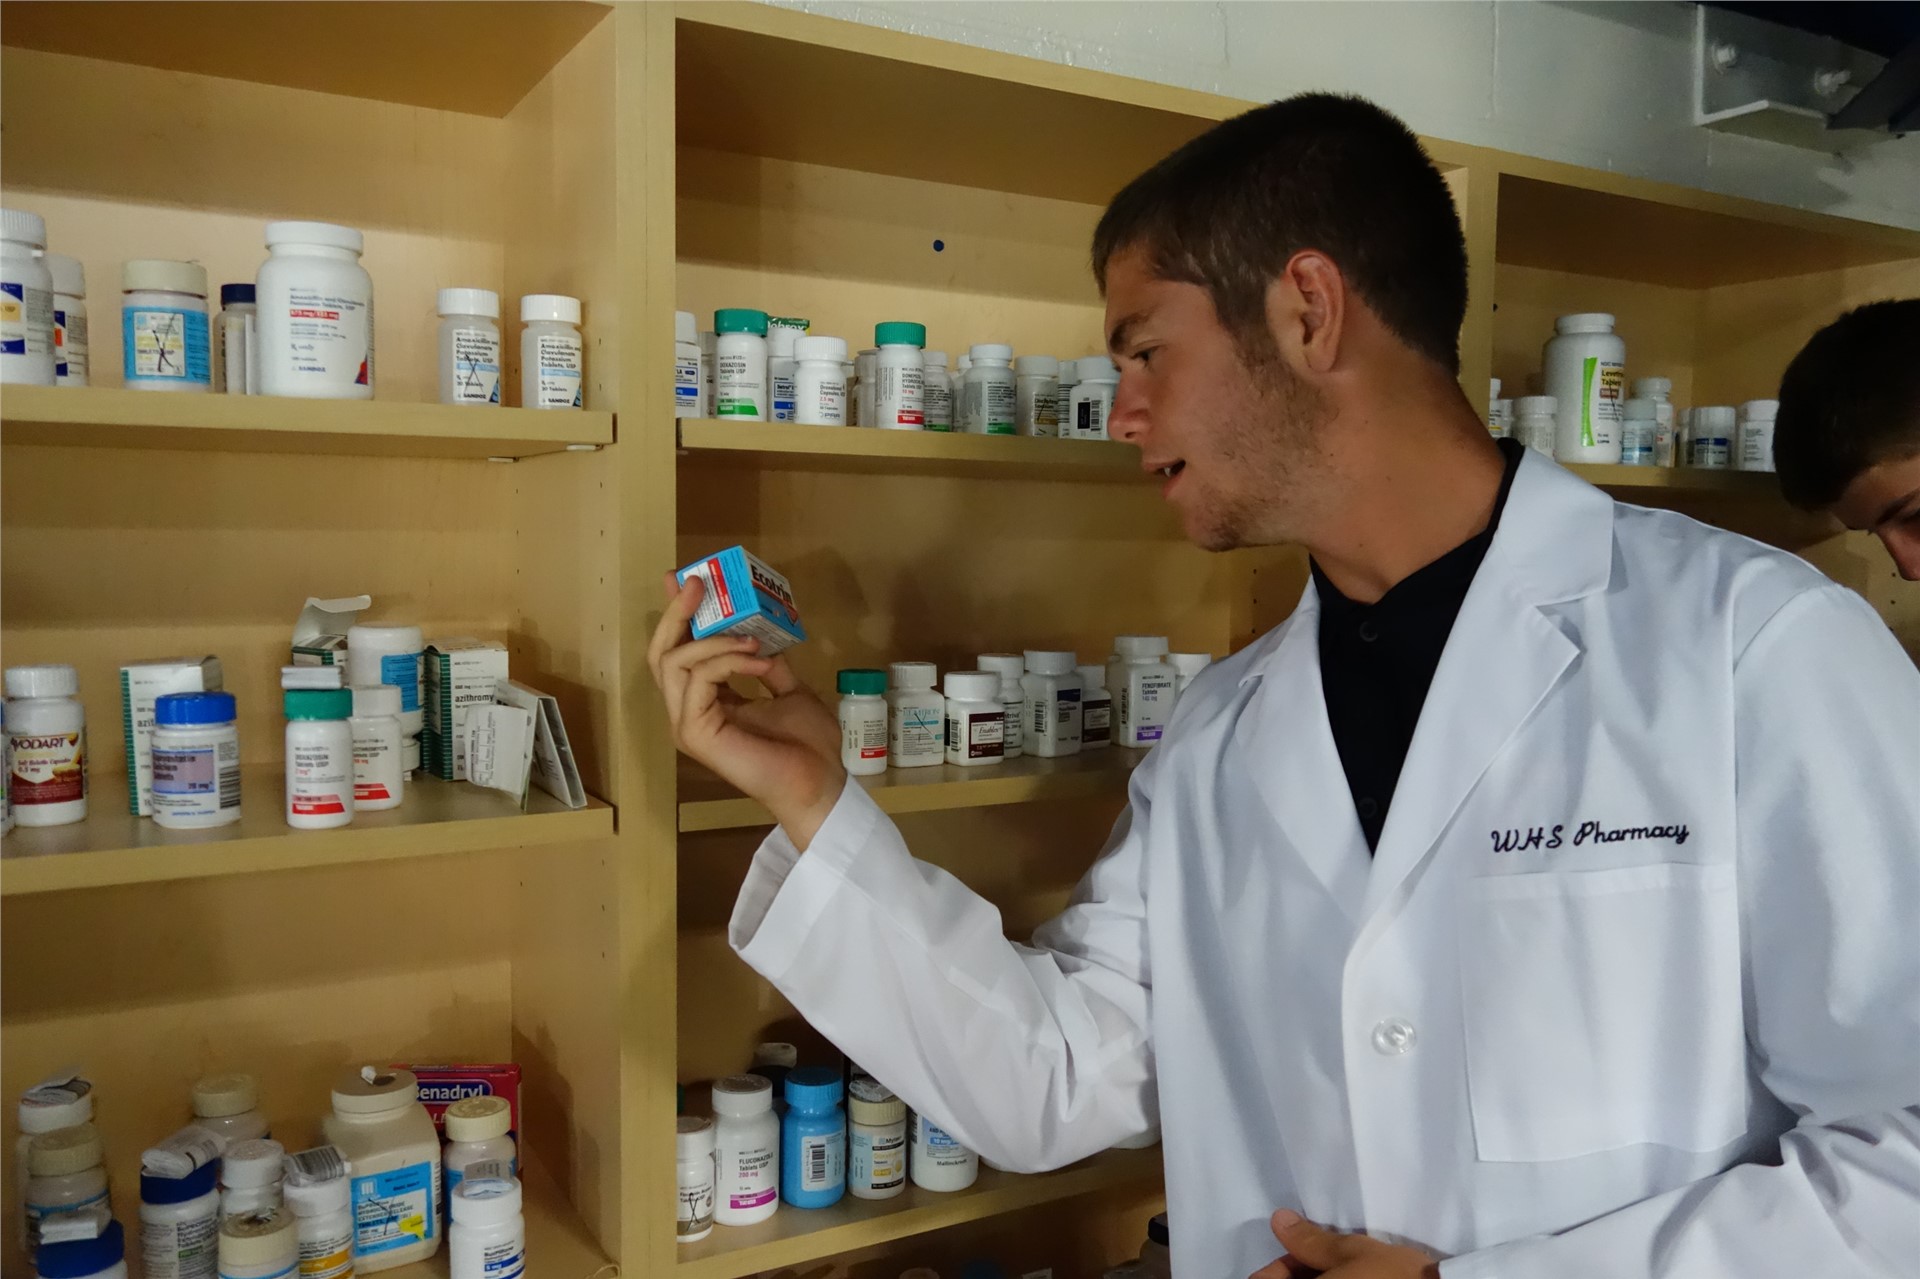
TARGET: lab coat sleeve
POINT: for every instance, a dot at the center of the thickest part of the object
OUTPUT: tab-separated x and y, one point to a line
1035	1056
1827	724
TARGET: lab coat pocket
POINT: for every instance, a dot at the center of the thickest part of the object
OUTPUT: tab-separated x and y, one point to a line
1602	1010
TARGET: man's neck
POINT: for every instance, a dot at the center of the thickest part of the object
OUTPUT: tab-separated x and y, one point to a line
1414	482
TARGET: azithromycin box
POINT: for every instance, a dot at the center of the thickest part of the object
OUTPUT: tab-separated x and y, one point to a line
746	598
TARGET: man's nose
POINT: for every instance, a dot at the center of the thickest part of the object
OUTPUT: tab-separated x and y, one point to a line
1127	420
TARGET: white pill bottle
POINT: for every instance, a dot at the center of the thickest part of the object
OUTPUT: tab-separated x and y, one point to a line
1584	368
26	301
380	1127
315	322
46	745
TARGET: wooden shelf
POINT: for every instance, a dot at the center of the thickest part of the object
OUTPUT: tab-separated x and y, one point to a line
1680	479
559	1245
114	847
707	803
840	448
794	1236
116	418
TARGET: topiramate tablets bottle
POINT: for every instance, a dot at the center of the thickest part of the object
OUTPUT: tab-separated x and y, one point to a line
686	365
936	1161
1756	435
180	1224
916	716
46	745
876	1140
820	381
163	326
746	1136
1584	369
1037	395
69	319
1146	684
1093	398
694	1173
740	381
938	390
552	357
989	401
1011	668
976	718
470	347
1536	421
1096	708
26	301
863	722
899	372
196	761
1053	687
315	321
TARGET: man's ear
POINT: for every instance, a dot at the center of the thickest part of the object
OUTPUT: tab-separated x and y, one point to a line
1307	311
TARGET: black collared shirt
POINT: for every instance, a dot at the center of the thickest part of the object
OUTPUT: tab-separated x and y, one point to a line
1377	661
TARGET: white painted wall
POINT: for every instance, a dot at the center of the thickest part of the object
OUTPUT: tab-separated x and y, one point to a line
1606	85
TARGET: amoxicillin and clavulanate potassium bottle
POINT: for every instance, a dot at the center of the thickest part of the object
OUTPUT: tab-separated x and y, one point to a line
900	376
746	1141
1584	368
553	361
820	381
470	347
315	323
863	722
916	716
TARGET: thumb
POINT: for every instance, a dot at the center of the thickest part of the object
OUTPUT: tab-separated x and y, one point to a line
1315	1245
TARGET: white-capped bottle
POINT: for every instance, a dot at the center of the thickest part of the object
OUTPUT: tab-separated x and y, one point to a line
251	1176
315	321
746	1141
1069	377
479	1140
1496	425
1713	434
709	371
1639	422
70	346
864	413
1146	689
694	1166
863	722
553	366
1535	422
1037	395
26	301
1187	668
319	757
46	753
900	376
1660	390
469	347
379	780
1096	708
740	382
1053	688
936	1161
916	716
976	718
820	381
988	400
1756	434
938	391
1093	398
1584	369
782	363
1012	669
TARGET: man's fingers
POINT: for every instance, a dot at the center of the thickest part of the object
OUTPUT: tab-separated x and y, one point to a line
780	679
672	630
706	679
1313	1245
682	658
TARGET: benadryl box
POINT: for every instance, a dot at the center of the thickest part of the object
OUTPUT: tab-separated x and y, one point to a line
744	597
141	685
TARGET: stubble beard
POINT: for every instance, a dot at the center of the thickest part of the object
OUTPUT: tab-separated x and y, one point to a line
1270	457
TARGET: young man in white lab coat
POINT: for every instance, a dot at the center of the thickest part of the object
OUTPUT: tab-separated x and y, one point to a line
1847	438
1541	899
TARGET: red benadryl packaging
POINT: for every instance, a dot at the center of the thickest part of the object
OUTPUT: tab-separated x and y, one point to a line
441	1086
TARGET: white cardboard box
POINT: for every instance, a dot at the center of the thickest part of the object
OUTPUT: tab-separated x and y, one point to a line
143	683
462	672
320	634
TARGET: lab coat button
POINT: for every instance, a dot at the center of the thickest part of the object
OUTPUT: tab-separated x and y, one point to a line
1393	1037
1369	632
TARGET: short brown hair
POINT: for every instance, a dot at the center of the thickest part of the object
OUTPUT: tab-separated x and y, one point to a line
1849	401
1318	171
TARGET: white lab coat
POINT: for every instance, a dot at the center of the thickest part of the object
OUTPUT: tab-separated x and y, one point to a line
1689	1048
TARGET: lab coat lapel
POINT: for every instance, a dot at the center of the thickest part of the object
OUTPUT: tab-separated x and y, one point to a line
1504	655
1286	744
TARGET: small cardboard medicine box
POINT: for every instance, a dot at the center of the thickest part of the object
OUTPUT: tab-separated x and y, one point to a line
441	1086
461	673
320	633
141	685
744	597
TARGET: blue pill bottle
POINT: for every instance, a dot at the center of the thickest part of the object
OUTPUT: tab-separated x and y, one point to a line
813	1139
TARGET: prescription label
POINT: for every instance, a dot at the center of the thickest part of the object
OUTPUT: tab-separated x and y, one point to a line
476	370
46	768
395	1209
26	320
166	344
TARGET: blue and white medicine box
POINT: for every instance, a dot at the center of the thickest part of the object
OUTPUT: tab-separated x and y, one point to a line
744	597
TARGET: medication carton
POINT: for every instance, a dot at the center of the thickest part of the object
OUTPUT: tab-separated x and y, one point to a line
141	684
320	634
441	1086
462	673
744	597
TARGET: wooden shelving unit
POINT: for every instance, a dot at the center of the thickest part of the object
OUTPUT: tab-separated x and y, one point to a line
104	417
795	1237
675	172
439	818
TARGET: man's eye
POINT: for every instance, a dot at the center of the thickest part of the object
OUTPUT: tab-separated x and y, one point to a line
1145	356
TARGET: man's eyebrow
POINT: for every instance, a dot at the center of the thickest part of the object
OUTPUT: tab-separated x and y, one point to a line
1893	508
1117	339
